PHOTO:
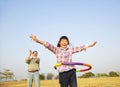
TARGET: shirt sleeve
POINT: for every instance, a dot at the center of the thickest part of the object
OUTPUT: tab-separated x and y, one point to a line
27	61
50	47
78	49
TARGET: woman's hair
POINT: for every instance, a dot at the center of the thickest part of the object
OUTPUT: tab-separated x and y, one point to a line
35	51
62	37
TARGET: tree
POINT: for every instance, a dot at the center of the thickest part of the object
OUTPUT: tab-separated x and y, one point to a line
113	74
102	75
87	75
7	75
56	77
50	76
42	76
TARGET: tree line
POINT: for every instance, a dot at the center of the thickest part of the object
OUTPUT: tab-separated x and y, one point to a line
8	75
85	75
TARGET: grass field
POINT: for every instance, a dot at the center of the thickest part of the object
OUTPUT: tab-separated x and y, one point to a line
82	82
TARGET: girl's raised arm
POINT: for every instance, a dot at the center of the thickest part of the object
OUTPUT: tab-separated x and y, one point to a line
34	38
46	44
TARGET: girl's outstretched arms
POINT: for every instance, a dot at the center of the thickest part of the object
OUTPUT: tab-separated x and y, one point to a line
34	38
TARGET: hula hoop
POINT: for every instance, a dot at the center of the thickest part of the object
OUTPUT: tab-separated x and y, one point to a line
74	63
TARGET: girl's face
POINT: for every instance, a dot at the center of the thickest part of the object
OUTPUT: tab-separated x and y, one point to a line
63	43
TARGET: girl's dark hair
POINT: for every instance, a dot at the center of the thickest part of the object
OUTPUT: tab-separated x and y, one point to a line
62	37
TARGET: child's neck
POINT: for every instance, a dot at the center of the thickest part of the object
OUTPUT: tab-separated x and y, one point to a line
63	48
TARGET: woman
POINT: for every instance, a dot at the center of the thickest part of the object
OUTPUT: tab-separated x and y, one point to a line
33	68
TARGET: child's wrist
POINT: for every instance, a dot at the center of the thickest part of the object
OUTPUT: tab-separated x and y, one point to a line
86	46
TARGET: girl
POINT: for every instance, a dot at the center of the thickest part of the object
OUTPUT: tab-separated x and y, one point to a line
67	73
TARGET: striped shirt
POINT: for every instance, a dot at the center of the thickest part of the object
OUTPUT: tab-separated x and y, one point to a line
64	55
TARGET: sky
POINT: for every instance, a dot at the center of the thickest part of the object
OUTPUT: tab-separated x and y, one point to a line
82	21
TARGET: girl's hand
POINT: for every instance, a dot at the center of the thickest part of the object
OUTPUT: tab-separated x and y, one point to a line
93	44
34	38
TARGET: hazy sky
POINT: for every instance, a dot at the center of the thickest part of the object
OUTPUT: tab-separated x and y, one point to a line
83	21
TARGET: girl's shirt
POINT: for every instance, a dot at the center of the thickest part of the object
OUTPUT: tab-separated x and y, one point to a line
64	55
